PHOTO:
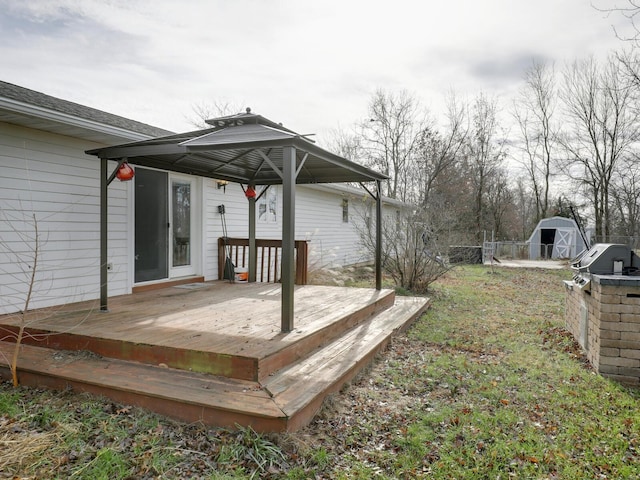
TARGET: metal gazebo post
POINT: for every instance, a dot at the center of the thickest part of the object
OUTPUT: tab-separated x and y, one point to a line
104	183
288	235
253	251
379	235
104	225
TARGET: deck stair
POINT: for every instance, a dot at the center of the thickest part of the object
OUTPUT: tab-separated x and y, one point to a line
284	399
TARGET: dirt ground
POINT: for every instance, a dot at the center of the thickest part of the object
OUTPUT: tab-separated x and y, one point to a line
547	264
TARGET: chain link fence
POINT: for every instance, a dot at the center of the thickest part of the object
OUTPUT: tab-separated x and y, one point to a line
513	250
631	242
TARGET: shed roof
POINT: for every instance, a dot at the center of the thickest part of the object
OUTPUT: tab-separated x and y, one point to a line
551	223
243	148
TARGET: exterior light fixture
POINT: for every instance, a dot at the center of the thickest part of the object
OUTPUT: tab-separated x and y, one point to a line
250	192
125	172
222	184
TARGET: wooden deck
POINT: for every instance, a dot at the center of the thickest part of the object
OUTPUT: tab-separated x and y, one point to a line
212	351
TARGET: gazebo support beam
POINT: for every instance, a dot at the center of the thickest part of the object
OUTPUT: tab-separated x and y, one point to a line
378	246
288	236
379	235
253	251
104	208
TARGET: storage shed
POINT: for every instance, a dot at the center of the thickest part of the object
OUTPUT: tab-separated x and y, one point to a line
555	237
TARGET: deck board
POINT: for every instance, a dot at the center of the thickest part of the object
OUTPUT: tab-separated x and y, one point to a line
280	379
209	323
227	400
299	389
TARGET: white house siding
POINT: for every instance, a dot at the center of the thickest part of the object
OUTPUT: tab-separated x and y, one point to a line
49	176
332	242
237	218
319	220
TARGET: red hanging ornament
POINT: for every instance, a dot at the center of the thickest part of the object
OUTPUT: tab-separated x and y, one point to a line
125	172
250	192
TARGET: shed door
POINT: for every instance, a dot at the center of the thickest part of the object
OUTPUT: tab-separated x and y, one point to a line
564	243
547	242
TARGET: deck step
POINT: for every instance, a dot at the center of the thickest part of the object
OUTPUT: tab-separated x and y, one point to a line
349	316
285	401
300	389
180	394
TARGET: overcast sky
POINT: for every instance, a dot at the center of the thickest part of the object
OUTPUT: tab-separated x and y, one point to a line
311	65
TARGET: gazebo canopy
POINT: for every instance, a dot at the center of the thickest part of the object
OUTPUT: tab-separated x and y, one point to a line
250	149
243	148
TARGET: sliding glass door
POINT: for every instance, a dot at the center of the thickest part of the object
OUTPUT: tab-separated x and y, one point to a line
164	224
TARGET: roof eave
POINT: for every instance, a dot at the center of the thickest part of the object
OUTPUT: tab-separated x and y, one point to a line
67	119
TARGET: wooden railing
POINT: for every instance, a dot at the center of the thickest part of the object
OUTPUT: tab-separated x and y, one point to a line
269	257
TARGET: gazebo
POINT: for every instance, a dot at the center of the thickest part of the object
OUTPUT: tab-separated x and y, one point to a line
250	150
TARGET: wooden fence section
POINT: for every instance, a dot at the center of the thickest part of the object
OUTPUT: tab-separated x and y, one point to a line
268	260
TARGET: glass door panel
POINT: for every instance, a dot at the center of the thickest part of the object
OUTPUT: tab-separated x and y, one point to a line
151	222
181	223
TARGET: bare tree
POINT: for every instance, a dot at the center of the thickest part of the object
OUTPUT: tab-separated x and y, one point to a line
205	111
346	144
390	137
534	113
631	11
437	152
485	151
601	130
625	193
501	203
525	207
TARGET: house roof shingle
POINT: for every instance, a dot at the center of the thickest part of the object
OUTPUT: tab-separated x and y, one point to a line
42	100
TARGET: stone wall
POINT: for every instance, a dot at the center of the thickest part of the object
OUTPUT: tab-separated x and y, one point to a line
605	319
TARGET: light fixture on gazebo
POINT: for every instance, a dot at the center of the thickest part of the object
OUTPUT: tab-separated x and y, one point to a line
125	172
250	192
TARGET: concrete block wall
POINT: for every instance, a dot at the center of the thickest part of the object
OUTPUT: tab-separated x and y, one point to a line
605	320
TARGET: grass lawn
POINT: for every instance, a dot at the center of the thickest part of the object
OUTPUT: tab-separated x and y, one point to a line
486	385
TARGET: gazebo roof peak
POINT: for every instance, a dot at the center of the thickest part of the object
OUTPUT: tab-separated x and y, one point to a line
246	118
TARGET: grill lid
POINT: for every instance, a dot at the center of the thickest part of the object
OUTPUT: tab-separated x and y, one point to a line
607	259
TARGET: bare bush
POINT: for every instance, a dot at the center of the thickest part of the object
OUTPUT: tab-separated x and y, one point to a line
413	248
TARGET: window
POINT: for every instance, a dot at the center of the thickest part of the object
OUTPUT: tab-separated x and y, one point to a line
268	206
367	218
345	210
